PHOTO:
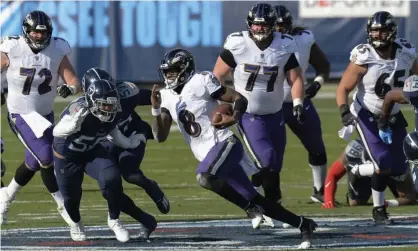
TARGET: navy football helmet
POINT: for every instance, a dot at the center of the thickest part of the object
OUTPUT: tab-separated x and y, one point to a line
381	22
40	22
284	19
410	147
94	74
177	68
262	14
101	96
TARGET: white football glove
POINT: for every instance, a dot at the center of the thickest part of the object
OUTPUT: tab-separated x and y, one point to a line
136	139
133	141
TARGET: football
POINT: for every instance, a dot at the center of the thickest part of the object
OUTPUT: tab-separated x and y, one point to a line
222	109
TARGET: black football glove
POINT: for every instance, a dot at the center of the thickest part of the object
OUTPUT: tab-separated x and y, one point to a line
299	113
65	90
346	116
312	89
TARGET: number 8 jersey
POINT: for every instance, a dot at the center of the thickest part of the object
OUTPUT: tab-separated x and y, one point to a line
259	75
382	75
32	78
191	110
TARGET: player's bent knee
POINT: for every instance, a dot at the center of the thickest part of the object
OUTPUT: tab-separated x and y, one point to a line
318	159
379	182
268	158
205	180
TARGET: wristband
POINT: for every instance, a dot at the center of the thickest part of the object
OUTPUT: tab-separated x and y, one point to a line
297	101
319	79
156	112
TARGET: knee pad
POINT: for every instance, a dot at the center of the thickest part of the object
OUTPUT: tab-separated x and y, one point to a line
268	158
379	182
46	157
210	182
318	159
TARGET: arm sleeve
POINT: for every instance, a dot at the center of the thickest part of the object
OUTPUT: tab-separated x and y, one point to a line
292	63
228	58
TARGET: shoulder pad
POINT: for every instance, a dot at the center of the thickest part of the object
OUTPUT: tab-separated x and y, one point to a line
407	47
288	43
235	43
127	89
208	77
362	54
8	43
62	45
75	106
307	37
411	84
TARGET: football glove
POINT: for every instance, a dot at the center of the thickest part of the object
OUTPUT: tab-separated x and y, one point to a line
346	116
312	89
66	90
386	135
299	113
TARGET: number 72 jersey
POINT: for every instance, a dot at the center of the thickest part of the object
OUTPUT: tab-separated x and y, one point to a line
32	77
259	75
382	75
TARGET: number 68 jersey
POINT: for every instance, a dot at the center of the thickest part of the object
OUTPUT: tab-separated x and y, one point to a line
191	110
32	77
382	75
259	75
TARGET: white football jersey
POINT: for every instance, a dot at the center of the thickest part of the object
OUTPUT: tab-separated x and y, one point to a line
410	89
32	78
304	40
259	75
380	71
191	110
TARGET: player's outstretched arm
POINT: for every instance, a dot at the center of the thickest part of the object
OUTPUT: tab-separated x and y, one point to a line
4	62
67	73
162	122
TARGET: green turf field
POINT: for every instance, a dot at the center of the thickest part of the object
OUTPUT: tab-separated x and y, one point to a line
173	166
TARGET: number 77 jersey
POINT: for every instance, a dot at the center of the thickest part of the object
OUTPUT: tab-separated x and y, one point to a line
382	75
259	74
32	77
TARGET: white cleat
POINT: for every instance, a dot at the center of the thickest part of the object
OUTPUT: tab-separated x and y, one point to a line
63	212
255	213
305	245
5	201
120	231
267	221
78	233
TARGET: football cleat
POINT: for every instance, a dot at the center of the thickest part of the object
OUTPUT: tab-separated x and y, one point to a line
63	212
5	201
78	232
380	216
119	229
157	195
148	225
318	196
267	221
307	228
255	213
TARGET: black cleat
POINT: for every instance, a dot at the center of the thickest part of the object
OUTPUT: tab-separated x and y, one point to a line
318	196
380	216
148	225
159	198
307	228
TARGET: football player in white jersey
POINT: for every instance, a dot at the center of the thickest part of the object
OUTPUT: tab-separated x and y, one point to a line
34	61
260	59
189	99
310	132
375	68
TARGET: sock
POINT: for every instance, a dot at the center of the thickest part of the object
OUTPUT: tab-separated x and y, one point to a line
58	198
364	170
13	188
318	174
49	179
335	173
392	203
378	198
